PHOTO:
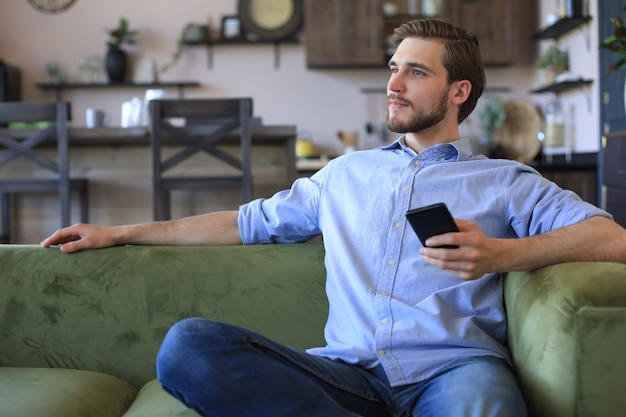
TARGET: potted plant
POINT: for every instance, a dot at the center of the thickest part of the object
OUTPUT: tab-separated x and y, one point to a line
492	115
616	44
119	37
553	62
191	33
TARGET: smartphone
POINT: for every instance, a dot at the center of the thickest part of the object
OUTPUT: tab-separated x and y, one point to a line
430	221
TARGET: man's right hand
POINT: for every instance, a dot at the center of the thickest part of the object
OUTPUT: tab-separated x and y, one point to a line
82	236
217	228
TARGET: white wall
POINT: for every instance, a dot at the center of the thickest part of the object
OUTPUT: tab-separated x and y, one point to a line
319	102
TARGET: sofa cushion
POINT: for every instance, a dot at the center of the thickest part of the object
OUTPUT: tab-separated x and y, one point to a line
62	393
153	401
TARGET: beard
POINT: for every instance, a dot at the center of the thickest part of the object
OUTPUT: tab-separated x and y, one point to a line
419	120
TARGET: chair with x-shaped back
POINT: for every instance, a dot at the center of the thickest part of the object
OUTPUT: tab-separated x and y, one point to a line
207	124
45	146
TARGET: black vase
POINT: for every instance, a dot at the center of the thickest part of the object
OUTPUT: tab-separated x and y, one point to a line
116	65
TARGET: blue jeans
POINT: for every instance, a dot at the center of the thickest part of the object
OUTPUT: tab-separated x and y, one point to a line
221	370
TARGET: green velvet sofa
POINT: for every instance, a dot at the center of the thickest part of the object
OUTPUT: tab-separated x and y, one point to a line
79	333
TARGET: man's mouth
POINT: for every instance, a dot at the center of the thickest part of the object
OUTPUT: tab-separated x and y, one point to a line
396	101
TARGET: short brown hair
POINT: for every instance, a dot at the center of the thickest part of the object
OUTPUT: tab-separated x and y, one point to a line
462	58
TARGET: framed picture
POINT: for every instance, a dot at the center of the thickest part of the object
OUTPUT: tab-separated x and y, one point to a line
231	28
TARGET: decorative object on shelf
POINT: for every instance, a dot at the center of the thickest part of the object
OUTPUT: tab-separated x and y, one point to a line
390	9
96	118
271	20
56	74
430	8
555	139
231	28
144	71
51	6
350	140
116	64
573	8
553	62
616	44
131	113
305	148
191	33
517	137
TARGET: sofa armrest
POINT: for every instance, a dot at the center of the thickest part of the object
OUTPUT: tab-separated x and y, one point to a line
567	336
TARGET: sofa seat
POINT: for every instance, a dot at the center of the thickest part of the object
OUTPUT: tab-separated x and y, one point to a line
152	401
55	392
71	392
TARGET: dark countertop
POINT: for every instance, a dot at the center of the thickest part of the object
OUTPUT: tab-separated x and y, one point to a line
579	162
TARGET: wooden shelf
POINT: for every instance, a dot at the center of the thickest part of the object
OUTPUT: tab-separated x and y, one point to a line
60	87
243	42
562	86
561	27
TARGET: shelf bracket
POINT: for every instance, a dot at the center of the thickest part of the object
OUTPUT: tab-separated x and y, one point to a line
209	56
587	92
587	35
276	55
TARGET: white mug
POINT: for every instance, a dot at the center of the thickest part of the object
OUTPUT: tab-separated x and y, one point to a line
96	118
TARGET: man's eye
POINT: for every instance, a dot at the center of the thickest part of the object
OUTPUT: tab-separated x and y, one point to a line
393	70
418	72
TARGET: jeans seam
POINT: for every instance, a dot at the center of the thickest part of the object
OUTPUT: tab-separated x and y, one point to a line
349	389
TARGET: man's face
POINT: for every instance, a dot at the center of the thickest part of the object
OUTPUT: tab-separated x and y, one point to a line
418	89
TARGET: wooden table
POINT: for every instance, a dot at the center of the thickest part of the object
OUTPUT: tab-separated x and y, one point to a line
266	135
272	135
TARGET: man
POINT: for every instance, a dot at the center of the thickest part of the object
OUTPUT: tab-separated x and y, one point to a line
412	331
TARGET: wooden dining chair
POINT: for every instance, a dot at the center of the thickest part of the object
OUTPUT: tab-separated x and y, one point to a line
43	144
206	125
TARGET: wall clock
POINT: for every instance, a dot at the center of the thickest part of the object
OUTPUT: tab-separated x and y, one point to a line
51	6
271	20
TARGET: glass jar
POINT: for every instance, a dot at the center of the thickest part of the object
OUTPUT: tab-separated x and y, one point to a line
555	125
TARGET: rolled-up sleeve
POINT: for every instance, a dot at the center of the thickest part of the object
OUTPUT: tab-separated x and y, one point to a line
289	216
537	205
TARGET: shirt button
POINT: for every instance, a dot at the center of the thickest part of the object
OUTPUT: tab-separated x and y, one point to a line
391	262
385	321
405	188
418	163
381	352
398	225
384	293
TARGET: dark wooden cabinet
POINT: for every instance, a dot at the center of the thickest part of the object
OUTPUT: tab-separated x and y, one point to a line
346	33
578	173
354	33
503	27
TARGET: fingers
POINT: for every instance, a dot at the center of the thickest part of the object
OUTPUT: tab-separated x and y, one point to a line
469	261
63	237
448	260
73	246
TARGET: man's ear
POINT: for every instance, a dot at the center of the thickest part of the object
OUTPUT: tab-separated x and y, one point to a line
460	91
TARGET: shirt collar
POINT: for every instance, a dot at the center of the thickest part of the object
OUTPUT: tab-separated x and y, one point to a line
459	150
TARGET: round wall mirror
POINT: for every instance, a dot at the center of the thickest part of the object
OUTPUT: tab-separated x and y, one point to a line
271	20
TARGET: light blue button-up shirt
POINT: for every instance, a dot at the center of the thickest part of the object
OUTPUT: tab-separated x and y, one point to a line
388	306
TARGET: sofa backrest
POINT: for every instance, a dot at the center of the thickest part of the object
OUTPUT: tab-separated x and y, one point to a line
107	310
